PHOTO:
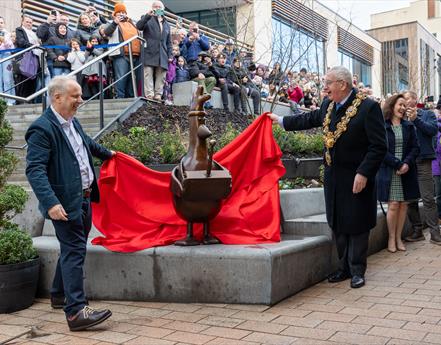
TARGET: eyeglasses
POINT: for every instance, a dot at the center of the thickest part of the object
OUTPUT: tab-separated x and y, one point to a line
329	82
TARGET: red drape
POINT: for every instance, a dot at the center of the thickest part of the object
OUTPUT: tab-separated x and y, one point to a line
136	209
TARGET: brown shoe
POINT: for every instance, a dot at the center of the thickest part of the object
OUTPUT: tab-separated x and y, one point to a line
87	317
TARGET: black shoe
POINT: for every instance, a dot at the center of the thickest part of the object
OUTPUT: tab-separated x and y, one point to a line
58	302
338	276
417	235
357	282
435	238
87	317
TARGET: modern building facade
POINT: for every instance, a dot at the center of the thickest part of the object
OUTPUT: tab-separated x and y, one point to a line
411	47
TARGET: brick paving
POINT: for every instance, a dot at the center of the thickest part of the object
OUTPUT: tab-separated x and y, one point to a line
401	304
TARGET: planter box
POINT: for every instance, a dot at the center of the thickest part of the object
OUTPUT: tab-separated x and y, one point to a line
302	167
18	285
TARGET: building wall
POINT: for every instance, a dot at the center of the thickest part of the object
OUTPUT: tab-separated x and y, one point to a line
11	11
254	27
414	32
417	11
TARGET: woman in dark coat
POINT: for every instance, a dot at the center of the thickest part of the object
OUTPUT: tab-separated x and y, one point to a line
58	55
85	29
397	180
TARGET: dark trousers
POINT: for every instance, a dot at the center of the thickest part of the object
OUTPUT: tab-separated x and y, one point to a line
235	91
352	252
69	276
255	96
427	191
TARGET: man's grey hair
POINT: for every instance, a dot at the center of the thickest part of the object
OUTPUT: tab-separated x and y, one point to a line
342	73
59	84
157	2
411	93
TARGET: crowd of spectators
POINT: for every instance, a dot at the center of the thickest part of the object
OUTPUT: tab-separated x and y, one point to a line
172	54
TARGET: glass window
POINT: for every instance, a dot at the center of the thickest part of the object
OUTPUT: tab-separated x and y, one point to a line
295	49
223	19
395	56
356	66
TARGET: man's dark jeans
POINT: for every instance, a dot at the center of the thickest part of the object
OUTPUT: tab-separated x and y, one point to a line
235	91
121	66
69	276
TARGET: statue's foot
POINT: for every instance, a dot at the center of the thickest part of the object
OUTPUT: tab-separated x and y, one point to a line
187	242
210	240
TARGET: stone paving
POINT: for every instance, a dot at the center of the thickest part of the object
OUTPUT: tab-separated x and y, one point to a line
401	304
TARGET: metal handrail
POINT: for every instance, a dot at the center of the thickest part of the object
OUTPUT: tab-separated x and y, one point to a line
73	73
13	56
98	59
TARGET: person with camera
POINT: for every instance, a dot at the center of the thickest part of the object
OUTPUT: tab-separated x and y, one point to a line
426	128
120	29
96	19
195	42
158	52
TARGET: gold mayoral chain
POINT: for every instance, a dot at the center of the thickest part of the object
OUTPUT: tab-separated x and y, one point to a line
329	137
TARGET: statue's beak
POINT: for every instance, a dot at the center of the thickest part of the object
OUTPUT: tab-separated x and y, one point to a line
203	132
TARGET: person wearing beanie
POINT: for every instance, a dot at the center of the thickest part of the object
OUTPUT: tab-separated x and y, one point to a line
120	29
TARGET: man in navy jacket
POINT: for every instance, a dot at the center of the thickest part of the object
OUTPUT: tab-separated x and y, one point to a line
426	128
60	171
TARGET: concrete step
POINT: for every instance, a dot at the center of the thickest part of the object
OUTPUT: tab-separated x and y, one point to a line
252	274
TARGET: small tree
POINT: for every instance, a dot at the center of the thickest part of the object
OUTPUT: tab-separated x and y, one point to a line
12	197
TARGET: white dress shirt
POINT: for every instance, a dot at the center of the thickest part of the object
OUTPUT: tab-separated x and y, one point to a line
78	147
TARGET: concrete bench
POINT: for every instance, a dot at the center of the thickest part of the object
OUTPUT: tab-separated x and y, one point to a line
254	274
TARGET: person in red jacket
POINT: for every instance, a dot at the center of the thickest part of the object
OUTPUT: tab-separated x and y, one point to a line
295	92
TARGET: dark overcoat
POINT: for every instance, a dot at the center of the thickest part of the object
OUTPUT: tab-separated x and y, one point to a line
360	149
391	164
159	46
52	167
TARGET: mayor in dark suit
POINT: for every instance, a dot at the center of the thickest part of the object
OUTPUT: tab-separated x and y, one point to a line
355	145
60	170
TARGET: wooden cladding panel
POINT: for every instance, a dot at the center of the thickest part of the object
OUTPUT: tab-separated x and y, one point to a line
39	9
355	46
302	16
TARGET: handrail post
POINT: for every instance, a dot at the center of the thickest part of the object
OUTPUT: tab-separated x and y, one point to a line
43	67
100	72
142	69
135	89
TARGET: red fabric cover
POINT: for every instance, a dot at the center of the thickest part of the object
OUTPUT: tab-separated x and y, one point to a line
136	209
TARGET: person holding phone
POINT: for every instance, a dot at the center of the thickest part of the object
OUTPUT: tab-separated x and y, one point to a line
195	42
120	29
426	128
158	51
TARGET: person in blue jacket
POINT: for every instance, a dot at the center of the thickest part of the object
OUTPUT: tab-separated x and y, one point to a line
59	168
195	42
397	181
426	128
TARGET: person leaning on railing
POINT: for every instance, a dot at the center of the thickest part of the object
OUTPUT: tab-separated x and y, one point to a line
25	38
119	30
158	51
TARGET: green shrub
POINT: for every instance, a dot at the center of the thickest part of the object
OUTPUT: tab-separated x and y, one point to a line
170	146
15	247
228	136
